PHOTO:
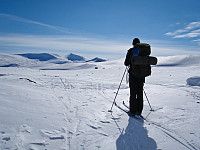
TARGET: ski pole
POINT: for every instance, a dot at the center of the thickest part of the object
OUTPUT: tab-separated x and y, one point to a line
148	101
117	91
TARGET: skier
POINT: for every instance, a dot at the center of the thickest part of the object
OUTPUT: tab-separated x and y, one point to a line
136	83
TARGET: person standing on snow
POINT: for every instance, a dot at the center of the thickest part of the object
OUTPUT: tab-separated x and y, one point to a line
136	83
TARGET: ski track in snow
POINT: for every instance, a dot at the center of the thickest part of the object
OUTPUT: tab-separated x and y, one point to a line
69	110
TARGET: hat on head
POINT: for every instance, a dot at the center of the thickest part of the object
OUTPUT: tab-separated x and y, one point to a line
135	41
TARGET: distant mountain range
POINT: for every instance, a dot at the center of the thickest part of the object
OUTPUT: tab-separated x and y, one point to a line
46	61
71	57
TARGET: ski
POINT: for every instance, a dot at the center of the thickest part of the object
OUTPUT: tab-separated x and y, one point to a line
137	117
125	105
126	111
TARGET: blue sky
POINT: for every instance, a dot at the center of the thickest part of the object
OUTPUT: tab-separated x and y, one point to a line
103	28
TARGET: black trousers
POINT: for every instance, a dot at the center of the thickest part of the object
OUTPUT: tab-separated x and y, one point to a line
136	94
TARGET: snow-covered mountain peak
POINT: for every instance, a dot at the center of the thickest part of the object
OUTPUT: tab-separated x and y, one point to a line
97	59
75	57
39	56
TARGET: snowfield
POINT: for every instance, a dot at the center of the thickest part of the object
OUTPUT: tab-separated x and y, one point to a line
50	106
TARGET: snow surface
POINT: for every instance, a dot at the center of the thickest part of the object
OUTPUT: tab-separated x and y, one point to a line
60	109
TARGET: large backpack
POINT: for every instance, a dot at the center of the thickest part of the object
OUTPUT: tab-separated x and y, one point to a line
141	61
143	49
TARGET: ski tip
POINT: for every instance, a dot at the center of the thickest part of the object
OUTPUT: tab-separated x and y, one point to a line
109	110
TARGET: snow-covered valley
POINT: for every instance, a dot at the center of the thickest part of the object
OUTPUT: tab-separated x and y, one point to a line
45	105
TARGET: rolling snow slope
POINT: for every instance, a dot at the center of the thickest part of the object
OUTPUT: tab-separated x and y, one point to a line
182	60
45	61
68	109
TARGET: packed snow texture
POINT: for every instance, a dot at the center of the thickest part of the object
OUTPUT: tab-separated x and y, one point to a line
47	105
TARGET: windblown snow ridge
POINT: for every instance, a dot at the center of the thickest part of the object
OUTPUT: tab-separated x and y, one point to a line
180	60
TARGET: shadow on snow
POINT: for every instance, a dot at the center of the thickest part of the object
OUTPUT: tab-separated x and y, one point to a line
135	137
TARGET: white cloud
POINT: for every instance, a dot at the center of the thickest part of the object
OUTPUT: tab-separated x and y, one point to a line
193	25
12	17
106	48
190	31
176	32
198	41
63	42
71	41
191	34
90	43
